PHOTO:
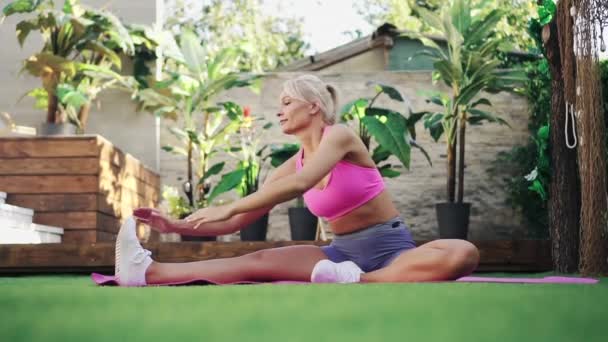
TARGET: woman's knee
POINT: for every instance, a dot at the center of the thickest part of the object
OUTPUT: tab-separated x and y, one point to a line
464	257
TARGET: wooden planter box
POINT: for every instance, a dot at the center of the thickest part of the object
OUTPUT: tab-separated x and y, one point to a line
80	183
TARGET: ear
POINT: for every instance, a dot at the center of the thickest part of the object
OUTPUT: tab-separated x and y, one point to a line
315	108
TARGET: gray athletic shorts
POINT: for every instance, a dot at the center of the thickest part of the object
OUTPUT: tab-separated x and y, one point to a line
373	247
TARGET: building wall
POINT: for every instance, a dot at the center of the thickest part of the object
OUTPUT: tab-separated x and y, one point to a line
417	190
372	60
404	49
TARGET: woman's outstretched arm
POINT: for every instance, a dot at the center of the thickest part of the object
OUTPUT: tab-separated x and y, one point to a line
158	221
338	142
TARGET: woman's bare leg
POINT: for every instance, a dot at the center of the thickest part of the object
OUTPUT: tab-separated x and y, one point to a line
284	263
434	261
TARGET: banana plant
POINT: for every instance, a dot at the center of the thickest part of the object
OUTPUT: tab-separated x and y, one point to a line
185	94
79	58
394	132
468	66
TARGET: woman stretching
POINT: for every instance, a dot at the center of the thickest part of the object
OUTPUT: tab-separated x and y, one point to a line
339	181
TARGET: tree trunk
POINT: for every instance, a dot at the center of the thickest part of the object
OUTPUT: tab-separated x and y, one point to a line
190	191
83	115
591	151
51	109
451	171
461	141
564	192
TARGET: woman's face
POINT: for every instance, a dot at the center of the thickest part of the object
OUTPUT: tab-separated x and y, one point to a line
295	114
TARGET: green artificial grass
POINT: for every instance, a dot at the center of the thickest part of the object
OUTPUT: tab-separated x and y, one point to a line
72	308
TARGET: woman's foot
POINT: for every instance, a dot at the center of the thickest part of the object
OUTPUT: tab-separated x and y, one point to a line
326	271
132	259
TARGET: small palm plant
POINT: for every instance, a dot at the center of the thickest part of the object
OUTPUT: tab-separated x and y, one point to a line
191	81
80	56
468	66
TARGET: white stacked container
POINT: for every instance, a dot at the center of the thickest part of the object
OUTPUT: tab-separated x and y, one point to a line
16	226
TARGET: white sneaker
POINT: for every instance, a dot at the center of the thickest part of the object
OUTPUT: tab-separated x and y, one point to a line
132	260
326	271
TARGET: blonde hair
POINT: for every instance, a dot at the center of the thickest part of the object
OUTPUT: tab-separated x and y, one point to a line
312	89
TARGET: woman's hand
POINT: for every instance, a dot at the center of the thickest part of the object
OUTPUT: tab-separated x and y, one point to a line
210	214
155	219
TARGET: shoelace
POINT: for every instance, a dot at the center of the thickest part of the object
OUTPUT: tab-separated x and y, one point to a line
141	255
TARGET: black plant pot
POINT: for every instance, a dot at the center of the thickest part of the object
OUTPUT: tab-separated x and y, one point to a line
302	223
256	231
453	219
51	129
196	238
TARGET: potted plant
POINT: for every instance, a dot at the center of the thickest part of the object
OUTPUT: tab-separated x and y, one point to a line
393	132
79	59
246	178
191	79
469	66
302	222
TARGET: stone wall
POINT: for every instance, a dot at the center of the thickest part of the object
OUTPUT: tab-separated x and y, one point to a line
417	190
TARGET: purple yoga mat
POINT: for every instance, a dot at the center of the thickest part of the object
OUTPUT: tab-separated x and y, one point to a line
109	280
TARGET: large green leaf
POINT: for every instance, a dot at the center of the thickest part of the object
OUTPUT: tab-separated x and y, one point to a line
193	52
447	71
193	136
482	101
437	51
388	128
392	92
178	132
388	172
41	97
476	116
21	6
228	182
234	111
112	26
99	71
175	150
380	154
411	122
461	15
214	170
471	90
104	51
39	64
430	18
433	122
546	11
358	107
483	28
454	37
214	87
222	63
69	96
281	154
24	28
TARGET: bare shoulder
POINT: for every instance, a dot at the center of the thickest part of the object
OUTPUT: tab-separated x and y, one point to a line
341	133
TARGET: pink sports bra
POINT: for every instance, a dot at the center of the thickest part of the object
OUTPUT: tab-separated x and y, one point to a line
349	187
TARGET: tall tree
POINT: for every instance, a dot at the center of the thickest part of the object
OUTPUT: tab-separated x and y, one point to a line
591	17
402	14
564	193
267	41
